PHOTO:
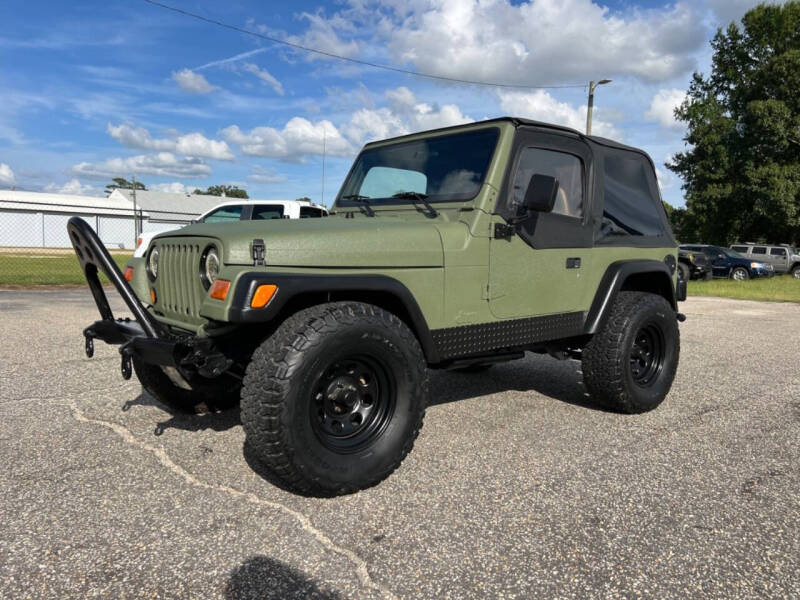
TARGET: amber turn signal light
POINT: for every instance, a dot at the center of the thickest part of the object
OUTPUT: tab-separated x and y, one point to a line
128	273
219	289
152	295
263	295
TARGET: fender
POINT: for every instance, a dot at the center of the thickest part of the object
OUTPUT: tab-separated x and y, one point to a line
613	281
293	285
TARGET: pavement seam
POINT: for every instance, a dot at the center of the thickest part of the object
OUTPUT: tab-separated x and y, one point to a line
361	565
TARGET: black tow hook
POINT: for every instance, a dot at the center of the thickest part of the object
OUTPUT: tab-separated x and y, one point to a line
125	364
89	346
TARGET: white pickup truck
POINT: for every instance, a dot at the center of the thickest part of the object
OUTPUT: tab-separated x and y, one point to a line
246	210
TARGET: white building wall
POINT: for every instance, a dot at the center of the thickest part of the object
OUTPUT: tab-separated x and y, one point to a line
44	230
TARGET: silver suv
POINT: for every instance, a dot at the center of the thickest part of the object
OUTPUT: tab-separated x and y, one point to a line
783	258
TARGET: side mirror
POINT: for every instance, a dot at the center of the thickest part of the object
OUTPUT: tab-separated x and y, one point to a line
541	193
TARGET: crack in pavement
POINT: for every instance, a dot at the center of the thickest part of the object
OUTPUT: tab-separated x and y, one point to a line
362	569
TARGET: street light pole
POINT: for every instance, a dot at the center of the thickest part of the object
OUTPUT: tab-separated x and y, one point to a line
590	109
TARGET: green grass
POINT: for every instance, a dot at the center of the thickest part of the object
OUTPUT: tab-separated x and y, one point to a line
781	288
45	269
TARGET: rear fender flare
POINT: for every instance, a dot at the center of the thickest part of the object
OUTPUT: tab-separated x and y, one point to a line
614	280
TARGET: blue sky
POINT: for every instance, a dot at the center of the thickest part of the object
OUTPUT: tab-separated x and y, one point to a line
92	90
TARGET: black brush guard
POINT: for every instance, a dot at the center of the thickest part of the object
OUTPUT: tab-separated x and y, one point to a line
182	355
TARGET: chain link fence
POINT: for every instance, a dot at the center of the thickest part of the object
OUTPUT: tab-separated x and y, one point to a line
35	248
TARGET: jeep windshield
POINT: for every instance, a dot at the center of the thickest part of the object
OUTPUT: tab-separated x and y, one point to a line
447	168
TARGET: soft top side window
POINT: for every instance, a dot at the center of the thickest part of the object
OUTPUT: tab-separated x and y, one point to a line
630	197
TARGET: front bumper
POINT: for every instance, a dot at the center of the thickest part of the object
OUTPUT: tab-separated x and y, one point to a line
143	337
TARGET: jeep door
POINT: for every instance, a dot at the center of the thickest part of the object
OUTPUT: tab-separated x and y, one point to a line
537	268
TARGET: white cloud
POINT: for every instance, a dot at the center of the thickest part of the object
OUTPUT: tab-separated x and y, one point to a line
261	175
405	114
174	187
666	180
298	138
726	11
529	43
541	106
193	144
662	108
74	186
194	83
6	175
264	76
163	164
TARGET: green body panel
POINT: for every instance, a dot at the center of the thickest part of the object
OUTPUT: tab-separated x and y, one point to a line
451	264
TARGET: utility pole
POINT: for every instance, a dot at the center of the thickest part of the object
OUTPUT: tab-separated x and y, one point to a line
135	219
592	86
324	138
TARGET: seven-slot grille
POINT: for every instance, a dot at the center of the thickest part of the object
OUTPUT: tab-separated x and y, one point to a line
180	289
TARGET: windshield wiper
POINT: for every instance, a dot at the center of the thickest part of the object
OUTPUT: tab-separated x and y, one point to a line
363	201
421	198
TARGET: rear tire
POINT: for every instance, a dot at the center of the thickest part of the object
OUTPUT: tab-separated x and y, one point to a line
334	399
211	395
629	365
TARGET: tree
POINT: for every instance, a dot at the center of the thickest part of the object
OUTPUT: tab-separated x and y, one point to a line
230	191
741	171
120	183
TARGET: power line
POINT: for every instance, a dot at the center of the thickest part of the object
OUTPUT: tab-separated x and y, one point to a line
356	60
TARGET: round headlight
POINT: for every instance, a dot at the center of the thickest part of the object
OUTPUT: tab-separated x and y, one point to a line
152	263
210	266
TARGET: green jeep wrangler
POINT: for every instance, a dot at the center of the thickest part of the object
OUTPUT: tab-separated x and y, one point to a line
451	249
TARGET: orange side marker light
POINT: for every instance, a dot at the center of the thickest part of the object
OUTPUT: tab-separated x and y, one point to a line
263	295
219	290
128	273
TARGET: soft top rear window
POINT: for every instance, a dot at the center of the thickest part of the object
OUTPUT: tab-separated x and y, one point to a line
448	168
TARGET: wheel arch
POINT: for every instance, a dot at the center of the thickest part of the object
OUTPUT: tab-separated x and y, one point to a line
299	291
629	275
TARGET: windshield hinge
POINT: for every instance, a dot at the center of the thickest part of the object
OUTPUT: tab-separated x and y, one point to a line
503	231
258	252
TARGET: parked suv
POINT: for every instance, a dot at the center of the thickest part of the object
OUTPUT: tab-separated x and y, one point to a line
783	258
449	249
729	263
246	210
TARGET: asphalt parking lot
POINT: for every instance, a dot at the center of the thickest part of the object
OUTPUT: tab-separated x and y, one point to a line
518	487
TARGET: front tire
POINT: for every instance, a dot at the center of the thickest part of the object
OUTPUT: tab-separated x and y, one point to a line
334	399
629	365
796	272
684	272
740	274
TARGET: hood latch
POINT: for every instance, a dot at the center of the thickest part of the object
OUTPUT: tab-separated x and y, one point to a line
259	249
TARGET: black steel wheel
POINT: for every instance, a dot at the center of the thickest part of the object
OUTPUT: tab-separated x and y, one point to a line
629	365
647	354
334	399
353	401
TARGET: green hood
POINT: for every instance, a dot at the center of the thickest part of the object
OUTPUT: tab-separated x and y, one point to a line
327	242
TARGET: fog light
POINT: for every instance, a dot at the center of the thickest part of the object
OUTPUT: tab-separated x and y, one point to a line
219	289
128	273
263	295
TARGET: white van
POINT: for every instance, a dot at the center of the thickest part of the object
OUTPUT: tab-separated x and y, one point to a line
246	210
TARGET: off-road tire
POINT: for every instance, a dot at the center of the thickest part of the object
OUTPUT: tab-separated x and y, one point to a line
796	271
281	397
684	272
607	362
474	369
212	395
745	274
